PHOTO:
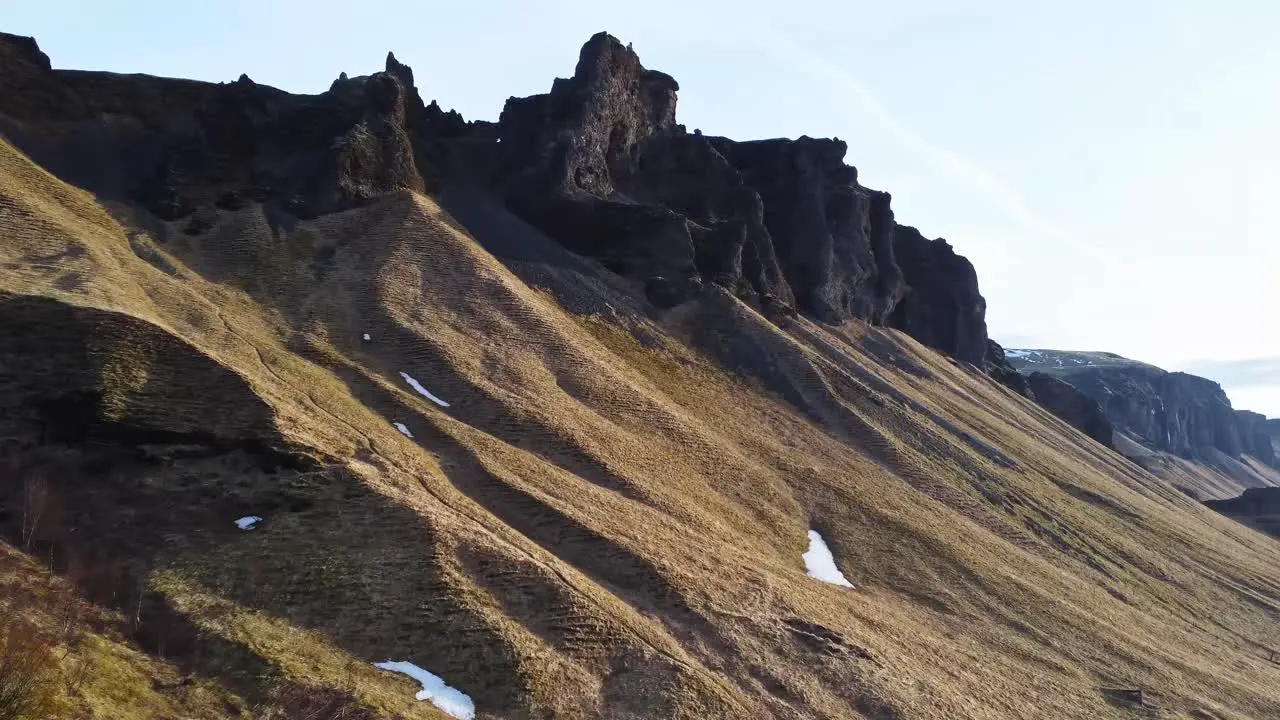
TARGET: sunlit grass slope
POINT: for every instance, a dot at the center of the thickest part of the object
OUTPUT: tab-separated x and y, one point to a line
607	519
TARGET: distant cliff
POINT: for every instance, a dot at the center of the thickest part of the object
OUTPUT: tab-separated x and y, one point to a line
1174	412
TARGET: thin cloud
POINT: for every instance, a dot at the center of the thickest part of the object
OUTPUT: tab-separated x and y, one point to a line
1252	372
1004	198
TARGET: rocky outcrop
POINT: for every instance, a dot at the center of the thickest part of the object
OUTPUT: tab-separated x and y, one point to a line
1255	436
177	146
1183	414
1072	406
834	238
599	164
942	307
996	364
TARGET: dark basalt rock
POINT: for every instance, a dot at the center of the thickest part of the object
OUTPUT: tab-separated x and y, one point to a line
833	237
1255	436
1072	406
997	365
1183	414
599	164
942	307
178	145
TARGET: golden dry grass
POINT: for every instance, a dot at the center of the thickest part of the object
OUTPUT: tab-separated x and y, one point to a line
608	519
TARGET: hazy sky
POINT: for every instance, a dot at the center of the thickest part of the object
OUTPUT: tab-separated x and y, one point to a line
1111	167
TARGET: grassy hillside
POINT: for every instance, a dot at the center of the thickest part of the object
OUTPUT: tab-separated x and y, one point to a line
607	519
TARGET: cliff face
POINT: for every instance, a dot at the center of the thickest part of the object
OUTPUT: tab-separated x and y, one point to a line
1174	412
181	147
1074	407
599	164
942	307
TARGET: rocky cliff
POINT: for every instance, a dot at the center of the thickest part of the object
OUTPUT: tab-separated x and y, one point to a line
1174	412
599	164
1073	406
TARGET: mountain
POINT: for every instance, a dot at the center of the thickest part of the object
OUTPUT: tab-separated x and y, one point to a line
579	413
1159	412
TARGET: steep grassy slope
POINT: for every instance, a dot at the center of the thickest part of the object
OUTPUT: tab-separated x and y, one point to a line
607	519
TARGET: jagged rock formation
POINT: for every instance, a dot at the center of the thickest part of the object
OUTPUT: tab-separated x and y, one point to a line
942	307
1074	407
182	148
1174	412
599	164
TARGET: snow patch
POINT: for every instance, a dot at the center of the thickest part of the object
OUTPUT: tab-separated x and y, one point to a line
1018	353
453	702
403	430
248	522
819	563
421	390
367	338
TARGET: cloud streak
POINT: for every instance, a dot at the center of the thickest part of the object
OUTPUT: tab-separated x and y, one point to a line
1001	196
1252	372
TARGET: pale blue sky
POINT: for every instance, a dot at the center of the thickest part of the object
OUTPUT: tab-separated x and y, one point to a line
1111	167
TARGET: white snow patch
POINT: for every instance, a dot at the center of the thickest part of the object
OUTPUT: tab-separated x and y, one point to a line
366	337
819	563
453	702
248	522
1017	353
403	430
421	390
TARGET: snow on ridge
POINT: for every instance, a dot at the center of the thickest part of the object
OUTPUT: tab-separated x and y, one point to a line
404	430
421	390
1019	353
820	564
248	522
450	700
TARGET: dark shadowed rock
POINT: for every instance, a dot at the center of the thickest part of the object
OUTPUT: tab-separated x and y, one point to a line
833	237
1176	412
1072	406
178	145
942	307
599	164
1255	436
997	365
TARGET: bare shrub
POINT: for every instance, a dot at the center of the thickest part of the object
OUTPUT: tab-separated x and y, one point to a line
28	674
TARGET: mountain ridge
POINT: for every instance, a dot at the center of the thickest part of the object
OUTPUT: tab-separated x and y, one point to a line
609	517
1185	415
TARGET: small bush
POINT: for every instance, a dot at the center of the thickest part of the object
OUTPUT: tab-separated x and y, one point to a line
28	674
